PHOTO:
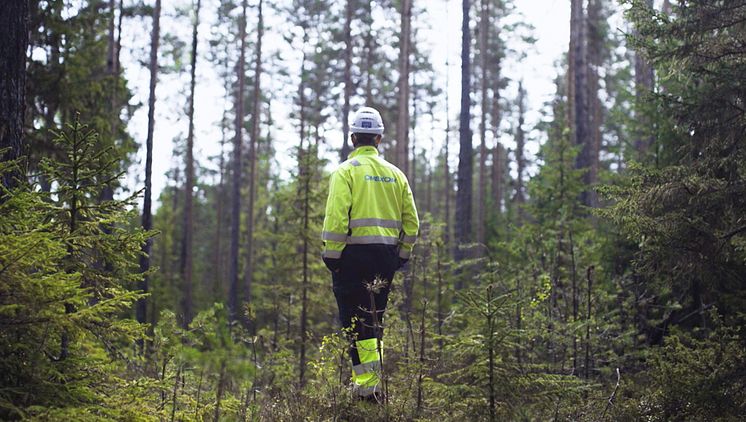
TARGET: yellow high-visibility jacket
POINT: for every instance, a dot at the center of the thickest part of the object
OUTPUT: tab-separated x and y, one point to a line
369	202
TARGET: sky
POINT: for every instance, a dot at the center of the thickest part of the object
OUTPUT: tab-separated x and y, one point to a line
441	36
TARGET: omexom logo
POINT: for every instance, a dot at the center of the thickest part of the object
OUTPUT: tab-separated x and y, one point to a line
384	179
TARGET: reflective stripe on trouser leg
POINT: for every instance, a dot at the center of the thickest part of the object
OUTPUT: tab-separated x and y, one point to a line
365	375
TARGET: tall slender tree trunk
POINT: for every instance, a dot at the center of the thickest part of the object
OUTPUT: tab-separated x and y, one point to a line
188	229
595	46
107	194
233	300
255	122
147	216
112	62
402	125
345	151
217	257
413	125
578	90
447	168
484	22
303	170
14	33
464	196
520	159
666	8
644	77
498	152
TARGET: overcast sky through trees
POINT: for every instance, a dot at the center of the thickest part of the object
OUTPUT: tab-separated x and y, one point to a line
441	35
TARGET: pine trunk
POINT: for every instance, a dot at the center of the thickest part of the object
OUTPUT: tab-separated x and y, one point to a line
447	168
14	34
147	216
595	46
402	126
233	300
578	89
107	194
644	77
484	22
345	151
255	123
498	152
666	8
303	170
188	230
464	195
520	144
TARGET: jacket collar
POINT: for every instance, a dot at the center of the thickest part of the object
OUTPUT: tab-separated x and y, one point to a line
364	150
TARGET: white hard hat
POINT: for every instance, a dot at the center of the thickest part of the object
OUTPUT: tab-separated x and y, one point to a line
367	120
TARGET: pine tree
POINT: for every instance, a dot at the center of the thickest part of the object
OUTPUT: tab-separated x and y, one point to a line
255	120
233	295
464	197
520	140
484	30
402	125
14	32
644	80
187	258
345	151
147	217
578	91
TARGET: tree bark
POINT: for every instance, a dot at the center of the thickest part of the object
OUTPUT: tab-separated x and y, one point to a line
147	216
447	168
464	196
595	47
303	171
255	122
345	151
188	230
484	23
14	34
233	300
402	126
644	79
498	152
666	8
578	98
520	145
107	194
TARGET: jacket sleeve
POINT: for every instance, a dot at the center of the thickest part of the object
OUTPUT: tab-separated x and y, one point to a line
410	222
337	217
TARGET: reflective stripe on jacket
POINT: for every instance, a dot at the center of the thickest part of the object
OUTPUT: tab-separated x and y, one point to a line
369	202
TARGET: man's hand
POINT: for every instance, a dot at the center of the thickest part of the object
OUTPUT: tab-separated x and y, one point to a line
402	262
333	264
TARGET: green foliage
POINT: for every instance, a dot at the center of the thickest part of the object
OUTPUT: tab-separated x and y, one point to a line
67	263
536	325
686	215
692	377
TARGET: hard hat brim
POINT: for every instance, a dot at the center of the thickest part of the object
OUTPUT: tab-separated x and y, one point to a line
374	131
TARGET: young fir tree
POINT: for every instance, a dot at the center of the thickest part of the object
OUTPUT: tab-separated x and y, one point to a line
64	339
691	198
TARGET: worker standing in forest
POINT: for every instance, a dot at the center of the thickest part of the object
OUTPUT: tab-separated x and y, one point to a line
370	228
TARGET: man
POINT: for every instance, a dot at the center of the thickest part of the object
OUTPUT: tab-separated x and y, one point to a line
370	228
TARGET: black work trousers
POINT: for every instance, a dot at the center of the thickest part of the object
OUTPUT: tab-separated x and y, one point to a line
361	265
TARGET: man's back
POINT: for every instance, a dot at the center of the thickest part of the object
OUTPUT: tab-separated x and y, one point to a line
370	202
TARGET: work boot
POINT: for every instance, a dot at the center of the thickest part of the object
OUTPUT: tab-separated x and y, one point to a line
375	398
370	394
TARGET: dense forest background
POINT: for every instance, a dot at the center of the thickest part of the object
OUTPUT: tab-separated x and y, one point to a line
603	278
